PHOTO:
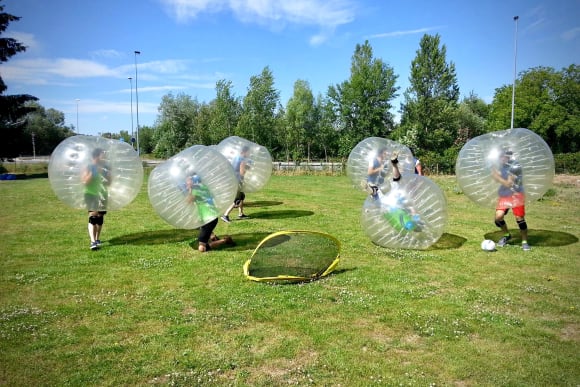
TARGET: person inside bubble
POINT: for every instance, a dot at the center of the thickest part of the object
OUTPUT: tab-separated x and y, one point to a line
394	204
96	179
241	164
510	195
200	196
378	169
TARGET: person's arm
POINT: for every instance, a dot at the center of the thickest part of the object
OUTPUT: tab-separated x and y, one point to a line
372	171
505	182
87	176
419	168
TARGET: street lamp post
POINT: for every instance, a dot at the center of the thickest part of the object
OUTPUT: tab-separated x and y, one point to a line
137	102
132	134
515	70
78	131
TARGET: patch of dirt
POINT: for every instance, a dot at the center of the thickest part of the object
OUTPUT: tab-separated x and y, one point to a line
573	180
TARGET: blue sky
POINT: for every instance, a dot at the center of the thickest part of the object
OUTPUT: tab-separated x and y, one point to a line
84	50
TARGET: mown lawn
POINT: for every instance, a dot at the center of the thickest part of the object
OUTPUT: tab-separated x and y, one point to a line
149	309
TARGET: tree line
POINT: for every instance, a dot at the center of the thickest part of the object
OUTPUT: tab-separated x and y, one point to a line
433	120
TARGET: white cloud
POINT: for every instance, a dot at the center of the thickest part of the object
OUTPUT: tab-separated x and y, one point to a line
327	14
107	54
571	34
26	39
395	34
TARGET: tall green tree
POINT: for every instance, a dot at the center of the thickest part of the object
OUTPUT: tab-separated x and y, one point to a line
176	124
325	144
546	102
13	108
47	127
300	120
225	112
472	116
259	110
362	104
430	102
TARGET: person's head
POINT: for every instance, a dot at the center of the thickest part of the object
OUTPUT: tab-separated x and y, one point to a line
245	150
98	153
382	153
505	155
192	180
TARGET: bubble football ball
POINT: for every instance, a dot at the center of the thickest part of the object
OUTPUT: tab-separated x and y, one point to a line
72	156
411	215
488	245
193	187
258	161
367	150
480	155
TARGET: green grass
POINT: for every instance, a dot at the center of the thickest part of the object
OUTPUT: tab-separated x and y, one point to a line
149	309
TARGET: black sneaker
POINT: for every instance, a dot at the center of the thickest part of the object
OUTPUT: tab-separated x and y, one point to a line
243	216
94	246
504	240
226	218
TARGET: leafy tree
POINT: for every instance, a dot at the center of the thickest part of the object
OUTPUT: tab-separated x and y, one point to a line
46	126
258	118
225	112
176	125
300	120
430	106
325	144
546	102
146	139
472	118
13	108
362	104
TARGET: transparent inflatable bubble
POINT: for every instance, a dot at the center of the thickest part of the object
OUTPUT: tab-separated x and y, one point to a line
73	156
412	214
365	152
258	161
531	162
192	188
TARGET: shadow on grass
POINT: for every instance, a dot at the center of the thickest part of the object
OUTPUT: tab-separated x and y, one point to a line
243	241
157	237
545	238
262	203
448	241
23	176
283	214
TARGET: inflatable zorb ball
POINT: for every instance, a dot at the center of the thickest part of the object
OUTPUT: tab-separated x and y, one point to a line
192	188
257	158
531	159
411	215
74	155
366	151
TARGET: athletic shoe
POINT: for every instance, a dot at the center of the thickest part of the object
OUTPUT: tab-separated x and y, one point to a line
504	240
94	246
525	246
395	157
98	242
226	218
243	216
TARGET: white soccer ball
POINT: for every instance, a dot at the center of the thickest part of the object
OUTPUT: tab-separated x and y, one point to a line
488	245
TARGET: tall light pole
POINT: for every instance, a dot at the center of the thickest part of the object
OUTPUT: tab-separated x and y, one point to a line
132	134
515	70
137	102
78	131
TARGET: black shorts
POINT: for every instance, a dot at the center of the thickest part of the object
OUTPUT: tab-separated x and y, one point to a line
240	196
205	232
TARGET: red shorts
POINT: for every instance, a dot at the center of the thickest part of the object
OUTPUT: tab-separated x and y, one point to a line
516	202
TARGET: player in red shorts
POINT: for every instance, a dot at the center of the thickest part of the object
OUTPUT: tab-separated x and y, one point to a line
511	195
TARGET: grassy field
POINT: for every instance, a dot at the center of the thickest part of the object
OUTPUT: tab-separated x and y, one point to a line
148	309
